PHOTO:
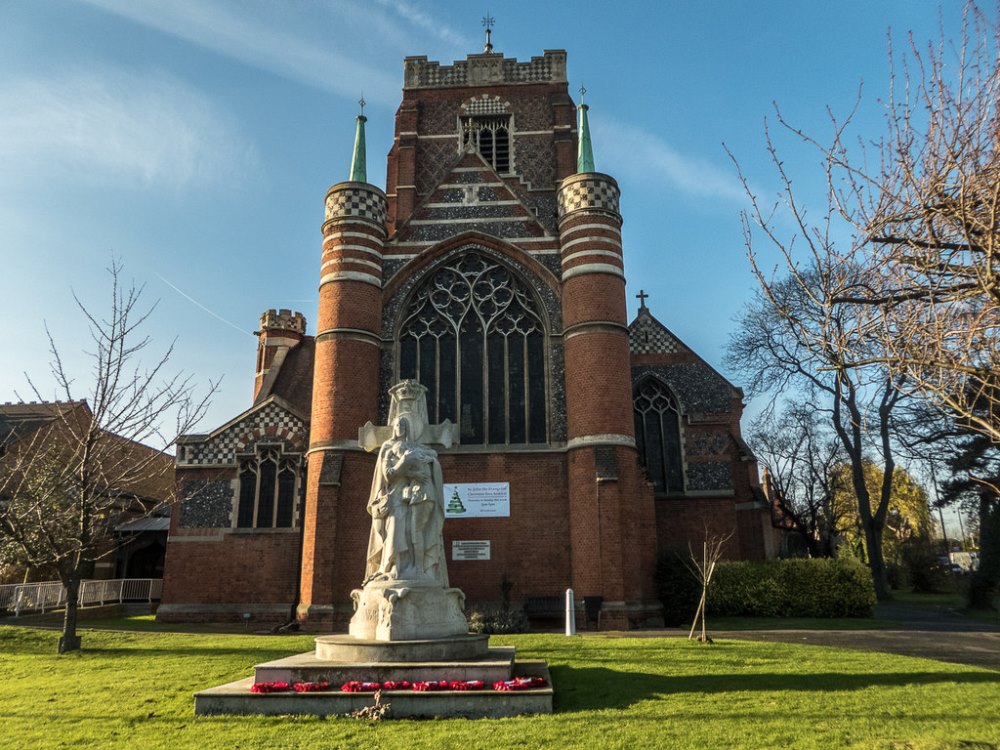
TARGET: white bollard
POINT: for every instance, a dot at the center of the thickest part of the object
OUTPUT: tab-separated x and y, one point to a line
570	613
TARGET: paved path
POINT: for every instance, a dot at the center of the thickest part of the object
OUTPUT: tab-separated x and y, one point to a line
939	635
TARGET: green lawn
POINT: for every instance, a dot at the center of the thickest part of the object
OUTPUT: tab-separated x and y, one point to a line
134	689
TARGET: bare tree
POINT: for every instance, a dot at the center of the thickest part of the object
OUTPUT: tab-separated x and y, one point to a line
64	485
703	569
910	301
799	454
794	336
924	207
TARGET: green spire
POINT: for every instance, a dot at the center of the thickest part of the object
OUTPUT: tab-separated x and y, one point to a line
585	154
358	171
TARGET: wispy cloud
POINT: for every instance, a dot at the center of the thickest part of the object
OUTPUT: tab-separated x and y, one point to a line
107	126
632	151
302	42
426	22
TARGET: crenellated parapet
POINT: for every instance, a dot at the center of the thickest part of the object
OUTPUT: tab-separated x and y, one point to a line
484	69
282	321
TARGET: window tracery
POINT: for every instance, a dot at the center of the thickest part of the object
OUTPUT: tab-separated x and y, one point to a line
658	436
473	336
491	138
268	483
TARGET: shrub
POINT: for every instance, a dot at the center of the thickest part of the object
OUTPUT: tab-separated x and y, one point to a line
677	588
792	588
498	620
924	571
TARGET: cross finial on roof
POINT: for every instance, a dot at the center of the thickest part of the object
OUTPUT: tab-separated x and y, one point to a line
642	297
488	22
362	103
583	92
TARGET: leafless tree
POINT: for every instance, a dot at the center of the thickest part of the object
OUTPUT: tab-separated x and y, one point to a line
924	207
703	568
794	336
64	485
799	454
909	301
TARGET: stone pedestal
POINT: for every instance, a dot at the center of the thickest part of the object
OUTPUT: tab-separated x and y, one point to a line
407	611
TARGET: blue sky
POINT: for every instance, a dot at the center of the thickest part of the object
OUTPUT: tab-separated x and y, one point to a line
195	140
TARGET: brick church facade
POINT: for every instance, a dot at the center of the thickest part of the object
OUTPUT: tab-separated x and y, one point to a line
491	270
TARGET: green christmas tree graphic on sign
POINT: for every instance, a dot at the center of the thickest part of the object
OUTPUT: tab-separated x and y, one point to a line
455	504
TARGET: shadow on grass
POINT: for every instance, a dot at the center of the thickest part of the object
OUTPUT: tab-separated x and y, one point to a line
596	688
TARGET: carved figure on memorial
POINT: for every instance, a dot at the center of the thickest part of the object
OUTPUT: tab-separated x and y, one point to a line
406	505
405	594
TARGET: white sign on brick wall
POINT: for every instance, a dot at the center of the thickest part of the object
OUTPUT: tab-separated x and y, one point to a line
480	500
471	549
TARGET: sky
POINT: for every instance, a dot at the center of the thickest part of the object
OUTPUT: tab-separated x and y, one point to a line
194	141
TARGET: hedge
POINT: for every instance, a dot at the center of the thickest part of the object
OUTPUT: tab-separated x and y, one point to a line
777	588
820	587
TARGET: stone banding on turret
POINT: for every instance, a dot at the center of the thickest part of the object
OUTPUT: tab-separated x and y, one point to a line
590	226
353	234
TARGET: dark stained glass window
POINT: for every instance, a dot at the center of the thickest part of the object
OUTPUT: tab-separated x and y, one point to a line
473	337
491	137
268	487
658	436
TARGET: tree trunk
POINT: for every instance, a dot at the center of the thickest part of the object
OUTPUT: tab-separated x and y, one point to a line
984	586
876	562
69	640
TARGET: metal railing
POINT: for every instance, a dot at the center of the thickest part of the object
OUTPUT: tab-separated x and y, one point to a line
21	598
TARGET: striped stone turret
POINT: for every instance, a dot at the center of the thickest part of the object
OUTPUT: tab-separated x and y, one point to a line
346	366
611	520
595	326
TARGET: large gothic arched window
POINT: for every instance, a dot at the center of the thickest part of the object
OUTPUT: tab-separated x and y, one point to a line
658	436
473	337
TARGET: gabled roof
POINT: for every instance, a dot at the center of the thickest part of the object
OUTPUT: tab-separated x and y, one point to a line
647	335
656	349
470	197
18	420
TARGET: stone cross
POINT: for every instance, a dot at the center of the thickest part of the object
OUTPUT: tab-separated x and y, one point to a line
642	297
409	399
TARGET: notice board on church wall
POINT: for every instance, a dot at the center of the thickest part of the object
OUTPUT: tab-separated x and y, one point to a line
478	500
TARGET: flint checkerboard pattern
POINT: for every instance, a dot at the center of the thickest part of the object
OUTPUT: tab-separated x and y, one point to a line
646	336
591	194
356	202
270	424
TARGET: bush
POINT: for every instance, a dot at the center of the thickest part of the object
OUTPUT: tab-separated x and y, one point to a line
924	571
498	620
792	588
677	588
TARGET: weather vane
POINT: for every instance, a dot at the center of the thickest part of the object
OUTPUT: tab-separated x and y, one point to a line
583	92
362	103
488	22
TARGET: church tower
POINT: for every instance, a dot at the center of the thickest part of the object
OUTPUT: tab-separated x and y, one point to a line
491	271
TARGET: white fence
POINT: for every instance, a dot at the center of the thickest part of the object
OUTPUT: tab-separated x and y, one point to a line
20	598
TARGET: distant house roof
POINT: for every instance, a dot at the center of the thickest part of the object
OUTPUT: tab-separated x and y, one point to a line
19	420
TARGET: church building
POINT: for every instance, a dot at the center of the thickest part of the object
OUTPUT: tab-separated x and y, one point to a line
491	270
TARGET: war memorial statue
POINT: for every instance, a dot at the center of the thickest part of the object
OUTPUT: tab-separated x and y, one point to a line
405	593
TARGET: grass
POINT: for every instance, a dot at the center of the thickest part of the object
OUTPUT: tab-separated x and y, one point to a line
133	689
799	623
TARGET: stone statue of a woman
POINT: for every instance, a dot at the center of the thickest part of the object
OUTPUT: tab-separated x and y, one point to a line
405	594
407	509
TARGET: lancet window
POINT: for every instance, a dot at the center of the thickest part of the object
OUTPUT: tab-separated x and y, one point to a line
491	137
473	336
658	436
268	486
